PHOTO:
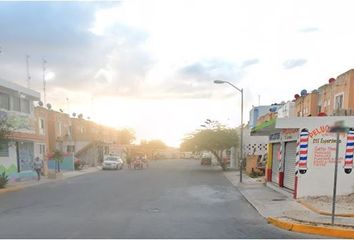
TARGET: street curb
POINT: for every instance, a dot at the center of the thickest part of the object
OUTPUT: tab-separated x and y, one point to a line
18	188
311	229
11	189
350	215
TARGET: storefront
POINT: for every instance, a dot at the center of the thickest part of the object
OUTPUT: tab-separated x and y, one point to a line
314	156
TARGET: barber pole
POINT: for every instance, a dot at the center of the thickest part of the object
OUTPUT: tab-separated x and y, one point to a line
297	157
304	139
348	162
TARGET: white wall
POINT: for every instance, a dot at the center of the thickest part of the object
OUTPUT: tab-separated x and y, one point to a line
287	110
254	144
318	180
11	159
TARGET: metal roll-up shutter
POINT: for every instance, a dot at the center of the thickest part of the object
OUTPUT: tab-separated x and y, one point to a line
275	162
289	165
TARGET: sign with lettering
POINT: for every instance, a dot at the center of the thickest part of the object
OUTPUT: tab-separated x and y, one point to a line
322	146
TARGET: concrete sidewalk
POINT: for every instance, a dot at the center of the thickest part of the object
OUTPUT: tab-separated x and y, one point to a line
16	186
272	204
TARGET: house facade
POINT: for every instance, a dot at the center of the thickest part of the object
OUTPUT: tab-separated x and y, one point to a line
26	141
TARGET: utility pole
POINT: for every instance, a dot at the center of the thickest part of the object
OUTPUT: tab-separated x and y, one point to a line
28	73
44	62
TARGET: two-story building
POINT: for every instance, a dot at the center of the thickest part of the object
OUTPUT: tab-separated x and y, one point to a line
26	140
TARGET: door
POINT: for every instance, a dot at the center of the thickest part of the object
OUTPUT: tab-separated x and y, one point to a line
275	162
25	155
289	165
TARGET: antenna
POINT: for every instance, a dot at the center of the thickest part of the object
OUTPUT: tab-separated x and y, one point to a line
259	100
28	73
67	105
44	62
92	105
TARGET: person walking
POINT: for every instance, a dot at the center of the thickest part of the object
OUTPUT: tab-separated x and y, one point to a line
38	165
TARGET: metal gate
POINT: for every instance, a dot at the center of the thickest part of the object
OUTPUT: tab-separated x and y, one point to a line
275	162
289	165
25	157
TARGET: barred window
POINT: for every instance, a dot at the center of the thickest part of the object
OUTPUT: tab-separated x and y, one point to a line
4	149
4	101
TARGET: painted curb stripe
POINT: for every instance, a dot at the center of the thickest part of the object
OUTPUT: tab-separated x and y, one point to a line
307	228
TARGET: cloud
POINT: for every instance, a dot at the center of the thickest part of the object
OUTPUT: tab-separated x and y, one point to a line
207	70
309	30
293	63
113	62
250	62
195	80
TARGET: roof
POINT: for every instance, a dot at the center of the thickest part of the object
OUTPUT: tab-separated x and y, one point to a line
265	129
15	87
309	122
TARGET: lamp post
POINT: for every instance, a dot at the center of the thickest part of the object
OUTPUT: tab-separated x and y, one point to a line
337	128
241	132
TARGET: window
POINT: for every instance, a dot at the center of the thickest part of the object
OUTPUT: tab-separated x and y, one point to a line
42	149
59	128
41	126
4	101
339	102
25	106
70	129
16	103
82	130
70	148
4	149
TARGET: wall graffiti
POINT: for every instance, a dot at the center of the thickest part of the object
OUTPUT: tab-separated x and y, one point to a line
19	122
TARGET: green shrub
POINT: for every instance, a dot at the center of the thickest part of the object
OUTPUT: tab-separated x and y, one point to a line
3	180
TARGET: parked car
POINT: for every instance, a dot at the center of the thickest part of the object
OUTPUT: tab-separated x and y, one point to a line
112	162
205	161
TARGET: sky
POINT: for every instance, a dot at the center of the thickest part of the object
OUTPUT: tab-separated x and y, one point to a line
149	65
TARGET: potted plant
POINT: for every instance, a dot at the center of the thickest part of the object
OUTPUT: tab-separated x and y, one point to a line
3	180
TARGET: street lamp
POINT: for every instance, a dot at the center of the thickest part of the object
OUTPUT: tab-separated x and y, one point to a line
241	134
337	128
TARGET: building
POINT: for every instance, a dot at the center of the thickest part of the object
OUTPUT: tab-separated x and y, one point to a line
287	110
27	139
60	132
308	170
336	98
306	105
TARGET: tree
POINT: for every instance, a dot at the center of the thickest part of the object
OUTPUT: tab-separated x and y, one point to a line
150	147
126	136
58	157
214	138
5	128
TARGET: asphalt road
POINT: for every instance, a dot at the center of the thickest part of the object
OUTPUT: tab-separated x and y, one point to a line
171	199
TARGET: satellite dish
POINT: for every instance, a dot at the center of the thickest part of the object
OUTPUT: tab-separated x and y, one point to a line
303	93
331	80
74	114
40	103
88	118
296	96
315	91
49	106
61	110
80	115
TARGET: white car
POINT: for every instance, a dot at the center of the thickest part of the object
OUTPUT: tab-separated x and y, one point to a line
112	162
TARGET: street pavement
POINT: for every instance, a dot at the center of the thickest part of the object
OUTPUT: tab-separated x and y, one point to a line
170	199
